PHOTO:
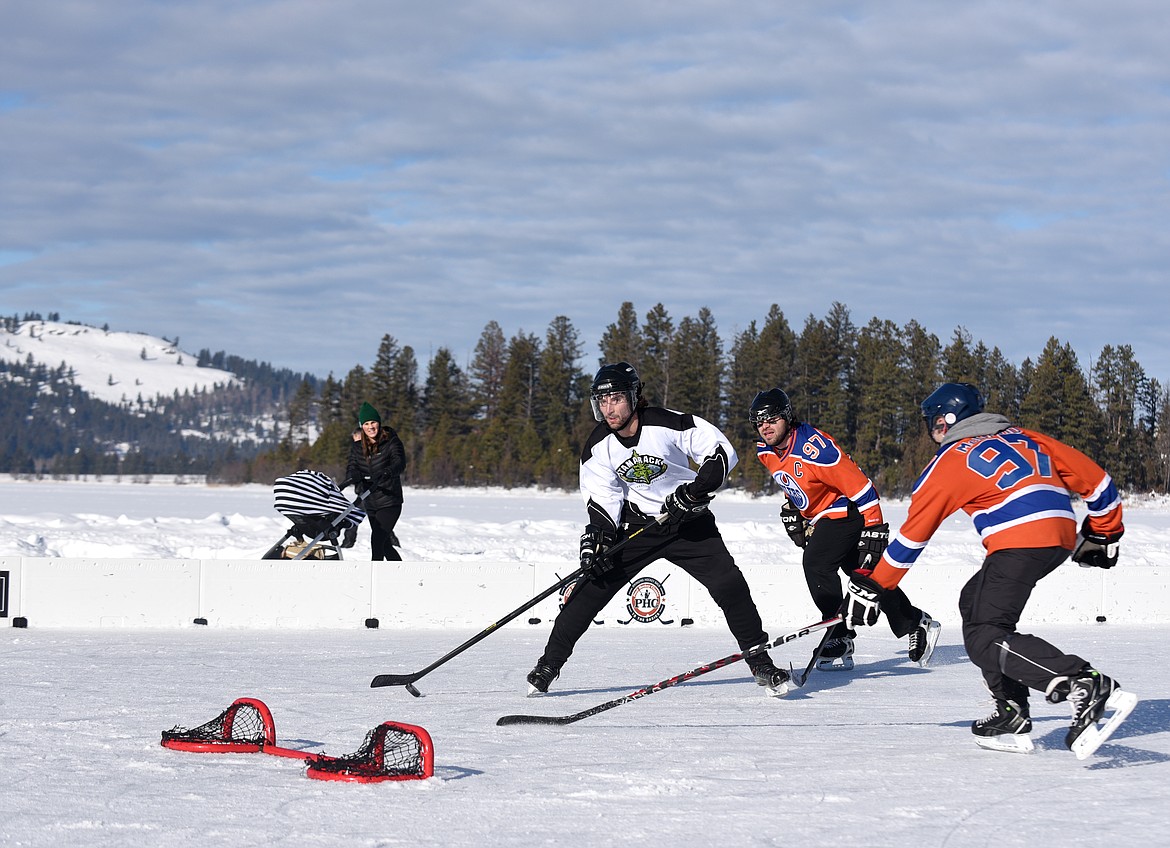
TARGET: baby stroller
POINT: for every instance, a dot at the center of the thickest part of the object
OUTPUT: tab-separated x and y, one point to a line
319	512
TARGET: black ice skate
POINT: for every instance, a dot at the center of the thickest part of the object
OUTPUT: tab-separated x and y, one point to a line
777	681
1006	729
837	655
1091	694
540	678
923	638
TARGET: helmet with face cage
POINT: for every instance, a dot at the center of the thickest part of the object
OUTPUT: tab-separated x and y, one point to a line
617	378
770	404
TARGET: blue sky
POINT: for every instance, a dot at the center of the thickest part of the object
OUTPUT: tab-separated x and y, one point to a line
290	180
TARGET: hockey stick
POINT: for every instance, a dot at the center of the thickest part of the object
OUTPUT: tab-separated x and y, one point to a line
801	677
665	684
408	680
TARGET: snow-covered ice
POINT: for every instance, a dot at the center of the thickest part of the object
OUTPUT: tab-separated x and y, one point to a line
881	756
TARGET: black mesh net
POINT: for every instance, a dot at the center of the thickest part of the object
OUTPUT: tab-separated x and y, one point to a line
239	723
388	751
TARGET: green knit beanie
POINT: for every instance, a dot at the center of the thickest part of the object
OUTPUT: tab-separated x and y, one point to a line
368	413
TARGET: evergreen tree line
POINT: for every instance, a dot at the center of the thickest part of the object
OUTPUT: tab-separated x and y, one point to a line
519	413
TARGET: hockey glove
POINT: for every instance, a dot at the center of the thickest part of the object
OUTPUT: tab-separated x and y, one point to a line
1096	550
872	545
681	505
594	543
862	604
795	524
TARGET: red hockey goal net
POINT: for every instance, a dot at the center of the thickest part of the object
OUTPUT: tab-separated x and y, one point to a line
244	727
391	751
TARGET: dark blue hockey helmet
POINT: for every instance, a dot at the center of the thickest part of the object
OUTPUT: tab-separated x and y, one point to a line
952	402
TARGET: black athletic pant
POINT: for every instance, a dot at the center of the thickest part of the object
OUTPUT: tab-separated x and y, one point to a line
991	605
832	548
382	538
694	546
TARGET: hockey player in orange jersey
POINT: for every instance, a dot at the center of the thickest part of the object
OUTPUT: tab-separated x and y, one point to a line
1016	485
828	493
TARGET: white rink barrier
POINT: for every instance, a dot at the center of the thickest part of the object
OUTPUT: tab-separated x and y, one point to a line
90	593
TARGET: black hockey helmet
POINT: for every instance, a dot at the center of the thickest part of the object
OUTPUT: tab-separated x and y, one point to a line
612	379
773	403
952	402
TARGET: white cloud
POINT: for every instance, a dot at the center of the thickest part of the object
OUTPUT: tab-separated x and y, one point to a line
289	181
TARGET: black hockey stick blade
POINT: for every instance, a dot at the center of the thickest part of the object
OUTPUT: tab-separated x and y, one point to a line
504	721
799	678
406	680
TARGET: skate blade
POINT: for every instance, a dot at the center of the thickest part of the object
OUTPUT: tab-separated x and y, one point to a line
835	664
781	690
932	634
1092	737
533	692
1020	743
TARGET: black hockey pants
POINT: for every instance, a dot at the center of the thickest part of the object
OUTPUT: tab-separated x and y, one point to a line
991	605
694	546
832	548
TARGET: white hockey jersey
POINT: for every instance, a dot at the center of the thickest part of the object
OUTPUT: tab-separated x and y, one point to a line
638	473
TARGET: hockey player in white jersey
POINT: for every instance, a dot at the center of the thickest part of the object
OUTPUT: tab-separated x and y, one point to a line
636	465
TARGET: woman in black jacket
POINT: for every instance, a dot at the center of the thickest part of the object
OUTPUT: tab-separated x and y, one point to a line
376	461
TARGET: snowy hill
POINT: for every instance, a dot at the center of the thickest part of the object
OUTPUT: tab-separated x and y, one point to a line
115	367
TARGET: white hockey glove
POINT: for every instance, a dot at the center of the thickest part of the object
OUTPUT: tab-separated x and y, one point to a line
872	545
795	524
1096	550
862	604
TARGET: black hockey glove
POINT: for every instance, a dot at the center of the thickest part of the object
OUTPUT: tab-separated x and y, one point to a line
862	604
1096	550
872	545
795	524
681	505
594	543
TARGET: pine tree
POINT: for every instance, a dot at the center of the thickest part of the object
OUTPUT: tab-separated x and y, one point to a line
744	382
561	398
881	362
824	369
959	365
1059	402
301	414
1118	384
446	393
697	367
654	368
487	370
622	340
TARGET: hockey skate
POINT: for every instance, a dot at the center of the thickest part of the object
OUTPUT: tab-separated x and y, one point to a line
540	678
837	655
1091	695
1006	729
777	681
923	638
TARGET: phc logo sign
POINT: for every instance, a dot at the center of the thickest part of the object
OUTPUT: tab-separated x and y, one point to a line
645	600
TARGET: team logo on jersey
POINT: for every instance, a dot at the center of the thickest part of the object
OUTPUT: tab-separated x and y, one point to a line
641	469
791	488
646	600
